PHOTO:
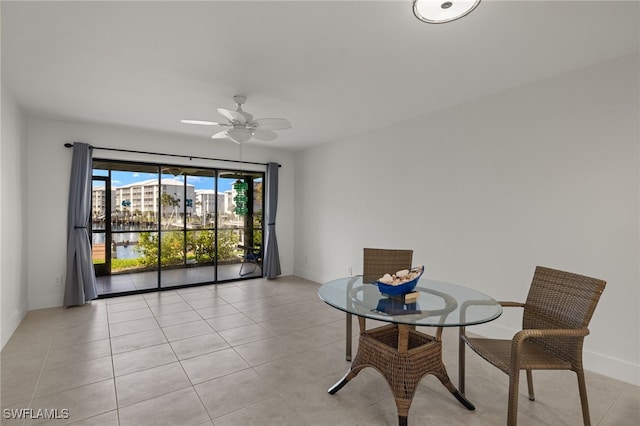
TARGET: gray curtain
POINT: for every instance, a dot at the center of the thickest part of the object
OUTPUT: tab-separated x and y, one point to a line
271	261
80	283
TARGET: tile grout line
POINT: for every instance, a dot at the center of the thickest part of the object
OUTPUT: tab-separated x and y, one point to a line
113	369
193	388
44	362
113	366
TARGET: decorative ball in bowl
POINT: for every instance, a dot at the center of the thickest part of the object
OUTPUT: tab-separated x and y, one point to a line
402	282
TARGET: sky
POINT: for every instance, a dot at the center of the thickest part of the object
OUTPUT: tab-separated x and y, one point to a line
119	178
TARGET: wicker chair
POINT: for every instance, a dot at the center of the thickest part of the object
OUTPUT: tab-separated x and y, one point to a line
376	263
556	314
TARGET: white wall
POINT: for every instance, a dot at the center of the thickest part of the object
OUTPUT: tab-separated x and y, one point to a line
13	188
49	165
545	174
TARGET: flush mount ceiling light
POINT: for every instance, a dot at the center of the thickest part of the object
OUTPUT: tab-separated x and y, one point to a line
441	11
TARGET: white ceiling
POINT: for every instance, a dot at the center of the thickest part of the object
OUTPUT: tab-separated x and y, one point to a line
333	68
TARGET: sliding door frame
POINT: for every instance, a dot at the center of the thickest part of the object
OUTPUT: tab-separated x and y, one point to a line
215	173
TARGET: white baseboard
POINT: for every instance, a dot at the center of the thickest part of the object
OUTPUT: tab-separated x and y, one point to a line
307	275
606	365
13	323
615	368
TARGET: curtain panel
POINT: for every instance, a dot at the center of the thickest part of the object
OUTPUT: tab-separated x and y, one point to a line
80	282
271	261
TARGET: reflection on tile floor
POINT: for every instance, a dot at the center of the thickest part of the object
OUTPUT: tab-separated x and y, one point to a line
123	283
253	352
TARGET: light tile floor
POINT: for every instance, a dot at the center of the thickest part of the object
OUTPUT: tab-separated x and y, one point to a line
254	352
135	281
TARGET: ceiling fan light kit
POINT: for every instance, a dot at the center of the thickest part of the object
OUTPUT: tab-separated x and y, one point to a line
239	135
243	126
442	11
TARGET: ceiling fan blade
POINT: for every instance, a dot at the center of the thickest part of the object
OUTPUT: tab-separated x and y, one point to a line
246	115
264	134
273	123
203	123
232	115
175	171
220	135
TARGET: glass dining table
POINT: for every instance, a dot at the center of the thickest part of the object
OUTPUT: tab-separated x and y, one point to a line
401	353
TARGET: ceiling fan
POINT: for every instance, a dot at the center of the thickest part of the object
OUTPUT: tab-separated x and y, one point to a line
242	125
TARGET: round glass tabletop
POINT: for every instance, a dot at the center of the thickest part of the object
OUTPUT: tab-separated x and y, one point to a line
439	304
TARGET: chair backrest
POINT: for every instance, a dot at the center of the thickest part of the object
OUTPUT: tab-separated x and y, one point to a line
561	300
377	262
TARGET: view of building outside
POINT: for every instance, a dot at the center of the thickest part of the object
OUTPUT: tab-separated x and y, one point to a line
141	199
206	199
190	233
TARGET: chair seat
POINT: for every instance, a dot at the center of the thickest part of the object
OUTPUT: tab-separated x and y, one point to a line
498	353
555	319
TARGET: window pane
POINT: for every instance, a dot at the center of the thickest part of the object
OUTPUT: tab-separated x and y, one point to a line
201	209
98	248
172	200
134	251
201	247
134	200
98	205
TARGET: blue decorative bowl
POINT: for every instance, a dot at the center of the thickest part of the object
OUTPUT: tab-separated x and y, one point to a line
400	289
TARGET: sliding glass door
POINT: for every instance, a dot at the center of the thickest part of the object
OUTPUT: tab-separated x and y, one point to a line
160	226
187	239
240	222
124	220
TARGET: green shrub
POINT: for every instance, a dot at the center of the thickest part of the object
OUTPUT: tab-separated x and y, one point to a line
122	264
171	250
199	245
228	241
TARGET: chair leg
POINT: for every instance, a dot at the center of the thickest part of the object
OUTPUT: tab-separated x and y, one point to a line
249	272
583	397
512	414
532	396
349	336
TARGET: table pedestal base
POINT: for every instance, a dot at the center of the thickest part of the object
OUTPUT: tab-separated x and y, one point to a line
403	356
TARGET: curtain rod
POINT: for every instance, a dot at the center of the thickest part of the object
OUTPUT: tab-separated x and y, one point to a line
190	157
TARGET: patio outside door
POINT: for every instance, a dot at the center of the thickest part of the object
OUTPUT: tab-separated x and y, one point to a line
157	226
